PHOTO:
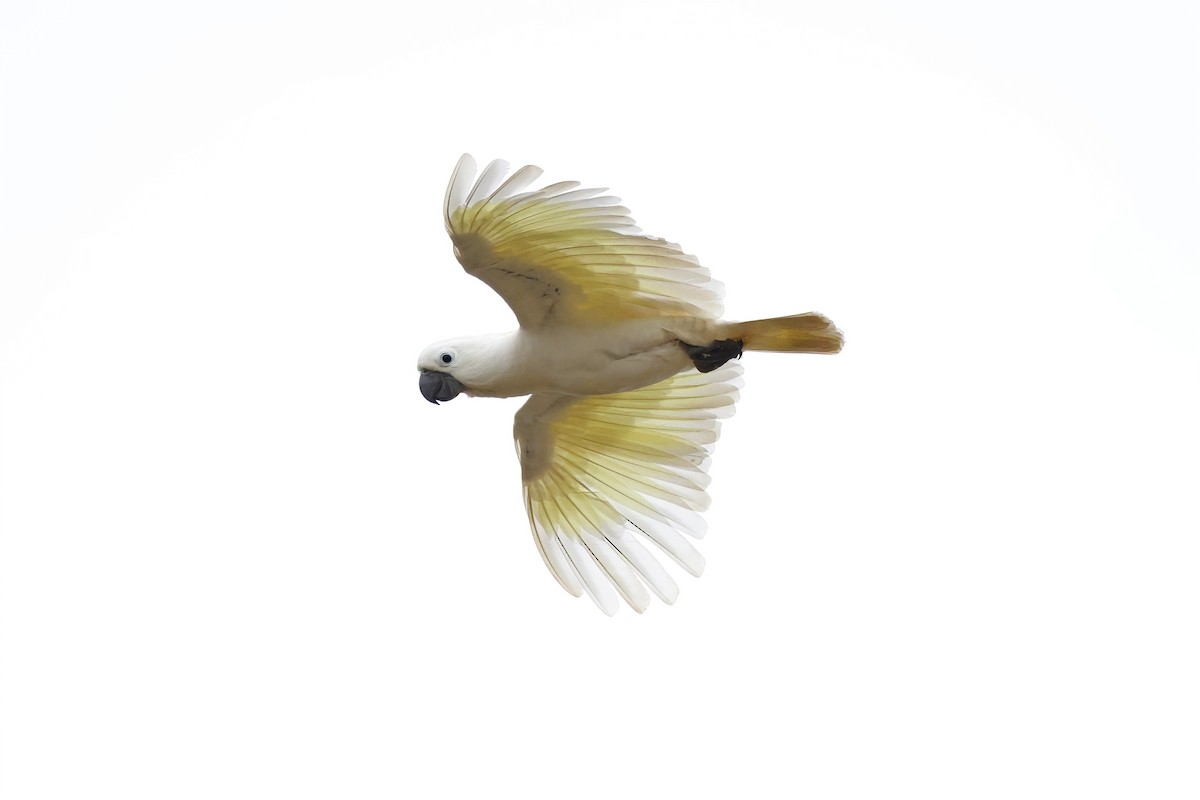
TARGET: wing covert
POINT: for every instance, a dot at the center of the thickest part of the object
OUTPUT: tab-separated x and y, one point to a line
566	254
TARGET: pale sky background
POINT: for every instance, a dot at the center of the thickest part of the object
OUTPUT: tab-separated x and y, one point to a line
241	557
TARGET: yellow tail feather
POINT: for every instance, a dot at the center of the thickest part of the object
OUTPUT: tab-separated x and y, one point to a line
799	333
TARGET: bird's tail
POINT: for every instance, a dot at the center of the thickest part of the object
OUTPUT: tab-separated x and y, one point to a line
799	333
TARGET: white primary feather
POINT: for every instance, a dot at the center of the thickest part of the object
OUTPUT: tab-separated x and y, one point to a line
601	471
565	254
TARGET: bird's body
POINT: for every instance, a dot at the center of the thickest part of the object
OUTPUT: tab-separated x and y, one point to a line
627	364
599	358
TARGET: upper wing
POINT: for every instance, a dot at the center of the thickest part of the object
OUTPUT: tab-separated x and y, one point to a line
566	254
601	470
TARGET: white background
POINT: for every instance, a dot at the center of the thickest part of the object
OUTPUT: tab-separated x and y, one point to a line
242	557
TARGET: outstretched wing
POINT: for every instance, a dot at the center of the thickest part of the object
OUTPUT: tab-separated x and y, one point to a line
605	471
565	254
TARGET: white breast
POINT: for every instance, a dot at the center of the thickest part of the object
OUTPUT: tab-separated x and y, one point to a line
599	359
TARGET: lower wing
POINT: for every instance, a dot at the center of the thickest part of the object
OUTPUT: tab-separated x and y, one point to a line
602	473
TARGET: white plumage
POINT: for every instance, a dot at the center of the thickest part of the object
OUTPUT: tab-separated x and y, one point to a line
615	439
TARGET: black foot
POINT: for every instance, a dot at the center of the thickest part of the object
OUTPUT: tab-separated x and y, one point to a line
708	357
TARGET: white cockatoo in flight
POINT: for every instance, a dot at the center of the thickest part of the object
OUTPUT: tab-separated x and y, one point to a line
628	367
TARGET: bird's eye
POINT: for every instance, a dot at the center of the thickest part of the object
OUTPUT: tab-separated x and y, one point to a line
447	358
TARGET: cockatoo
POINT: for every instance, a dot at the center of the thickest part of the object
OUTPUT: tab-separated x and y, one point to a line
628	367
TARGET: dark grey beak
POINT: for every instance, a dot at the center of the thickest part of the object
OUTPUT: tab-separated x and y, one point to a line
437	386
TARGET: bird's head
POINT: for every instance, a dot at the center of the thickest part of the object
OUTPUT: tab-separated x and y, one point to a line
449	368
